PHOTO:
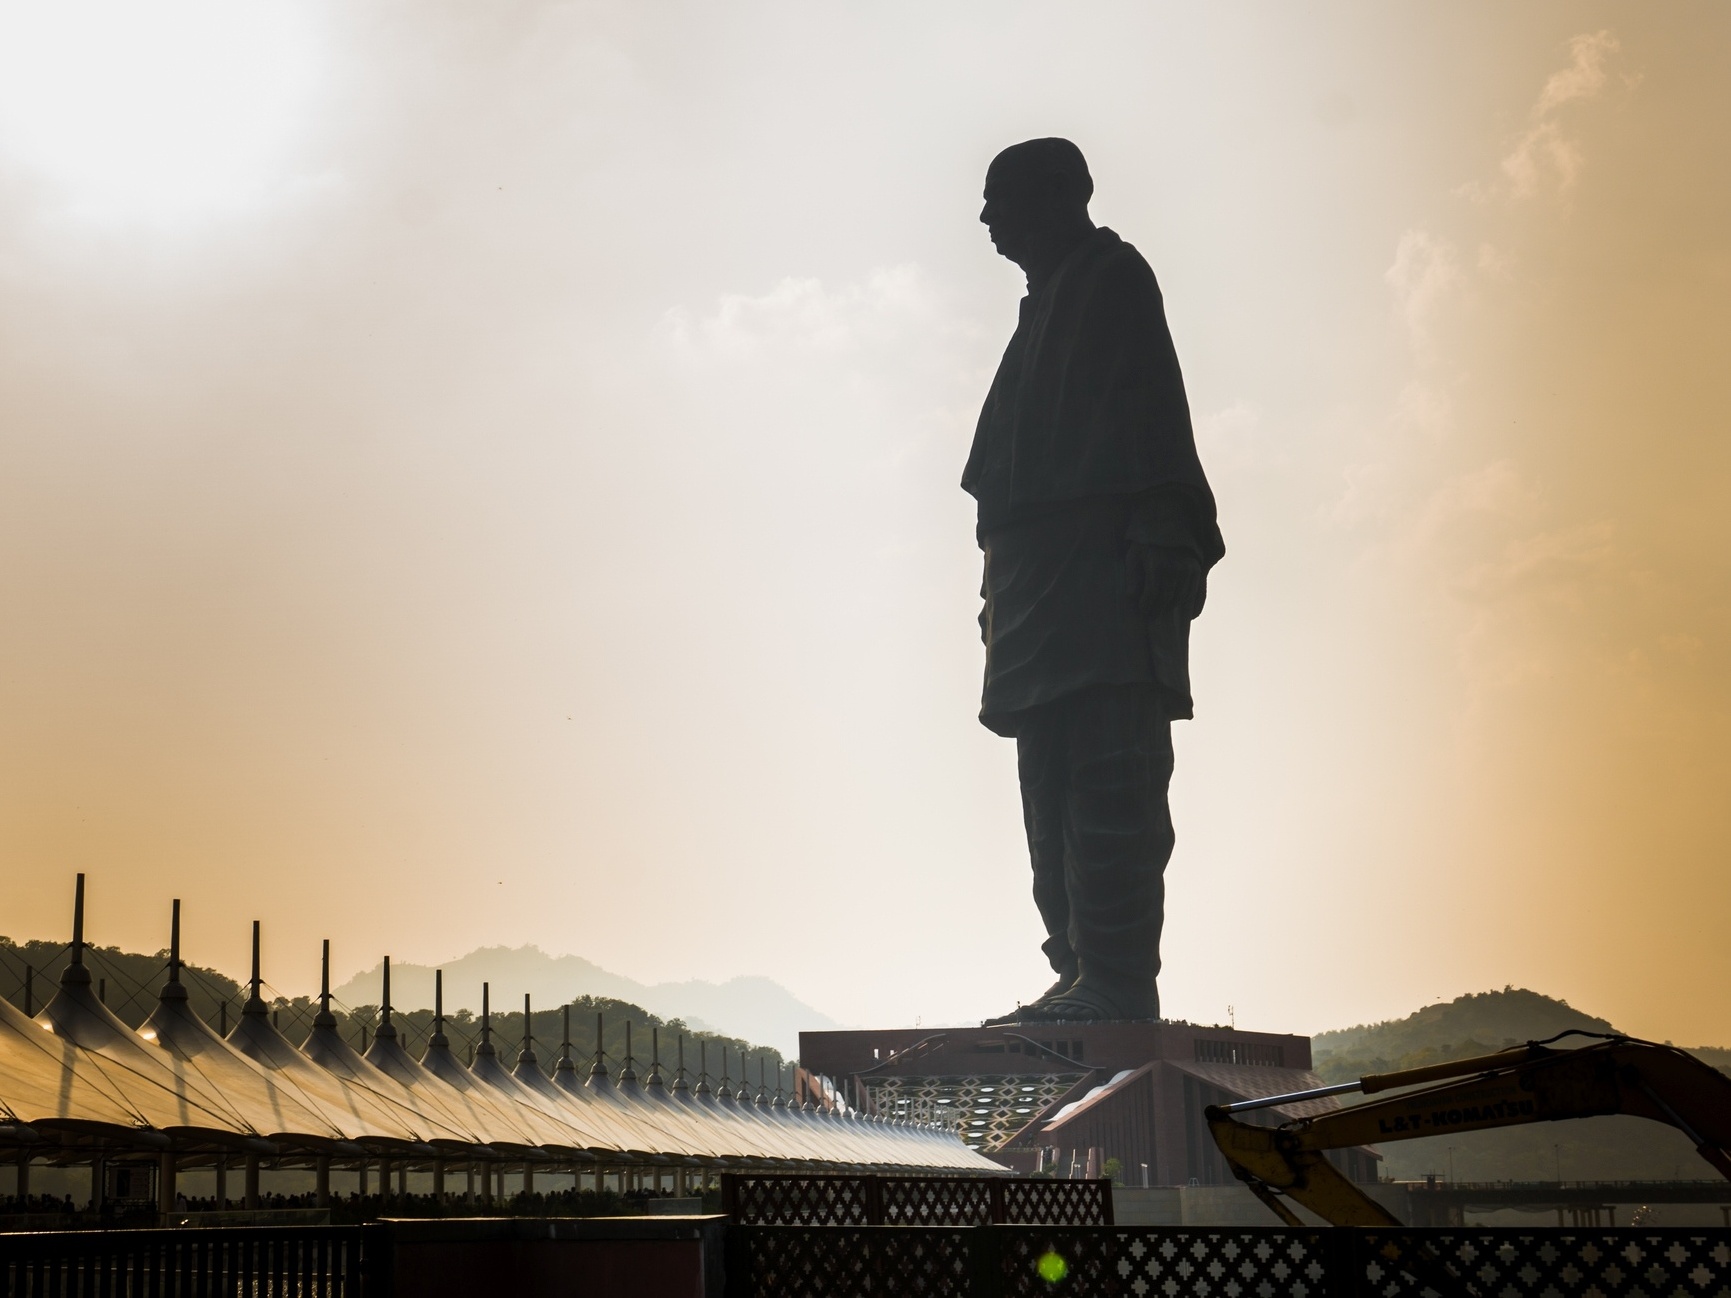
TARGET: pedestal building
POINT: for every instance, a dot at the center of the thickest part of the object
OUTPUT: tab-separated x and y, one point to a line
1069	1098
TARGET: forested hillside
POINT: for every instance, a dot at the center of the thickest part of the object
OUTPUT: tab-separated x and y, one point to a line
1468	1025
1609	1148
130	981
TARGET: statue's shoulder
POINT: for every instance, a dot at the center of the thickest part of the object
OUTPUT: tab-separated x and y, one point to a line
1118	271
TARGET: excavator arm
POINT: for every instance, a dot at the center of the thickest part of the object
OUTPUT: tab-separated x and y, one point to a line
1530	1083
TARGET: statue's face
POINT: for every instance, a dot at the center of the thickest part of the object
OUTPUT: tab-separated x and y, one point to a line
1013	215
1023	212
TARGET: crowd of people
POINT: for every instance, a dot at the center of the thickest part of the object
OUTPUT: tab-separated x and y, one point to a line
14	1204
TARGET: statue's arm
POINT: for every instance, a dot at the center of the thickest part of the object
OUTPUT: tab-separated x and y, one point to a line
1173	541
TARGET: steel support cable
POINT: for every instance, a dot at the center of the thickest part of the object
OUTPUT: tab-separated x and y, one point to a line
214	1103
116	1092
138	989
25	964
108	1067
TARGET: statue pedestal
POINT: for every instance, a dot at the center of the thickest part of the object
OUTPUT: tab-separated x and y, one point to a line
1048	1096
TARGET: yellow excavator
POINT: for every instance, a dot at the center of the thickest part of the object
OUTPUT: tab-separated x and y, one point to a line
1536	1082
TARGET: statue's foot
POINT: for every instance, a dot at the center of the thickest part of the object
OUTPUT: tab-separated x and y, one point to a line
1022	1013
1086	1002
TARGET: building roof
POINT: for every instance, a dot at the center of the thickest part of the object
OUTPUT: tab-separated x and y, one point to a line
76	1074
1254	1081
1096	1095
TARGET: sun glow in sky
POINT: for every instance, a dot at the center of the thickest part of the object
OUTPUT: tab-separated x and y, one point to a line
164	110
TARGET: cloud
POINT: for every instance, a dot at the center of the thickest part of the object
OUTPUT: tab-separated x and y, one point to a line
1552	565
1423	408
1584	77
1545	151
1378	490
1493	491
804	315
1444	530
1424	272
1497	488
1495	262
1233	439
1368	494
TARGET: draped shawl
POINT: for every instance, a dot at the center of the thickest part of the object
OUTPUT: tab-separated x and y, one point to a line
1089	396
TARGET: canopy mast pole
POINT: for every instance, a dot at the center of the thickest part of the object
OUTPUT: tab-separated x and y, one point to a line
485	1047
255	1002
598	1070
325	1019
75	974
438	1039
564	1064
386	1029
172	990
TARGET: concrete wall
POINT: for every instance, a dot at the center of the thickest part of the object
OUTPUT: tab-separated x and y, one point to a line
599	1257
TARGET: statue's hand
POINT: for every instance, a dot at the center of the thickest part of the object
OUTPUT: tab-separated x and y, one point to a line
1164	580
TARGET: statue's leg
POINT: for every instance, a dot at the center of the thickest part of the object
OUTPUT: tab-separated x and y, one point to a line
1041	763
1118	839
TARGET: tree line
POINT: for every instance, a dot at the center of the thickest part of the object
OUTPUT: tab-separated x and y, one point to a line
129	983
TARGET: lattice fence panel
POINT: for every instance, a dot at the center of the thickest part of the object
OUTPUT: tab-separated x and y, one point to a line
1056	1203
1627	1263
841	1262
1139	1262
914	1201
800	1201
935	1201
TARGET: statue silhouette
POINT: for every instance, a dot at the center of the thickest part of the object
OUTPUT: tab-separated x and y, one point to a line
1098	529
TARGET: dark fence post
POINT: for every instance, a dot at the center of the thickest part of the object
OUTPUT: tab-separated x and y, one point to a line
995	1195
874	1200
729	1196
1106	1213
985	1262
1343	1257
735	1262
372	1263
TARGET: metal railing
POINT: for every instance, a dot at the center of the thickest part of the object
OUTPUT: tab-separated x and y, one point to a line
221	1262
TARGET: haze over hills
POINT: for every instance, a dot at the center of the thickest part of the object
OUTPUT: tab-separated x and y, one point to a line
754	1008
1609	1148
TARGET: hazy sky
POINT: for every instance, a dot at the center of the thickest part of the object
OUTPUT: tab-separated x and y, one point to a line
478	474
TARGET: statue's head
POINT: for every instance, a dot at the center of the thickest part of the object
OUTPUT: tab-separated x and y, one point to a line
1036	192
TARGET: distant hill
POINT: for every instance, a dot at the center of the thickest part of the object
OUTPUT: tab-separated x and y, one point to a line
128	981
1474	1024
754	1009
1591	1149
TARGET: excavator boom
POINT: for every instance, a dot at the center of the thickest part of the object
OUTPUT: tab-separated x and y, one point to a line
1531	1083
